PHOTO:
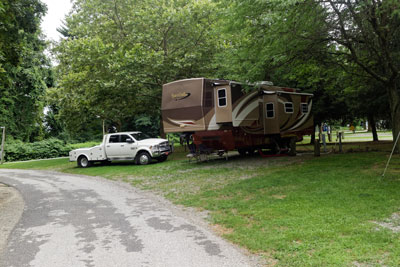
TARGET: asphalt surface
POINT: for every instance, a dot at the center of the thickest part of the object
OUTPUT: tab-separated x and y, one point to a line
11	207
71	220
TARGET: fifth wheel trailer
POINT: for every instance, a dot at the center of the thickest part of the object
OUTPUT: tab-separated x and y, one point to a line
225	115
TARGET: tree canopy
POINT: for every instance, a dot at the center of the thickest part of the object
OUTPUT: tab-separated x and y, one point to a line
24	69
116	55
345	52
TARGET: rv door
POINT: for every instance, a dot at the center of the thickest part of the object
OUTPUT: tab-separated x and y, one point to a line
223	103
271	115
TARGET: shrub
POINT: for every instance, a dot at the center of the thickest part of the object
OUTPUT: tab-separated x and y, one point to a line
50	148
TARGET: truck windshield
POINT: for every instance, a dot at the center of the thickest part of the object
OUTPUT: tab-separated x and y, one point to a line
139	136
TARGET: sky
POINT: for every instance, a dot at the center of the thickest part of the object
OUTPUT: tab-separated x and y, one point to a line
56	11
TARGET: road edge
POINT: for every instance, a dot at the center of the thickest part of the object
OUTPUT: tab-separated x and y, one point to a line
11	211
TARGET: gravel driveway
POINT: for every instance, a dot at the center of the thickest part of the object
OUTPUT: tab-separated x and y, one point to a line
71	220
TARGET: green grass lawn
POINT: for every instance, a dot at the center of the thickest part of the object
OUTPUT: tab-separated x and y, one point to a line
358	136
294	211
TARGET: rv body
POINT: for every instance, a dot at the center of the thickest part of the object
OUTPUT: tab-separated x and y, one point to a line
220	115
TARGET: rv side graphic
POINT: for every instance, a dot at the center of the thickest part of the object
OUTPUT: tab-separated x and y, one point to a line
220	115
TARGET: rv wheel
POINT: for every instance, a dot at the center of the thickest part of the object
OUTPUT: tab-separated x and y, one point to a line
242	151
292	146
276	148
250	151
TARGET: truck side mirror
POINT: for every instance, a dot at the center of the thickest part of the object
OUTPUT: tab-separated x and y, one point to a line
129	140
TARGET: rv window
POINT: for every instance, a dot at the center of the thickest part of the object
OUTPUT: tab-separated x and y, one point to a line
304	108
222	97
289	107
270	111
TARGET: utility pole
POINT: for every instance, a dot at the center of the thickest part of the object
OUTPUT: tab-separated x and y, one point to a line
99	117
3	138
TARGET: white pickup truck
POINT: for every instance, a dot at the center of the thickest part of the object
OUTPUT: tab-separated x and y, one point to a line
123	146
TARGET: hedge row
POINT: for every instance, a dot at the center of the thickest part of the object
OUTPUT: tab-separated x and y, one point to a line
50	148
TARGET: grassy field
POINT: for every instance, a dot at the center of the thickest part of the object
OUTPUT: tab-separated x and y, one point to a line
335	210
358	136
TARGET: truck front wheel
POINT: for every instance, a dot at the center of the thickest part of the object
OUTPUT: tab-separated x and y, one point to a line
83	162
143	158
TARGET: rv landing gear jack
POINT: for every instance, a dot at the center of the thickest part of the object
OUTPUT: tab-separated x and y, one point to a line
271	155
205	155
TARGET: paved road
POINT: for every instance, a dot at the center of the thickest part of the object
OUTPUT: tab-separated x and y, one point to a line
71	220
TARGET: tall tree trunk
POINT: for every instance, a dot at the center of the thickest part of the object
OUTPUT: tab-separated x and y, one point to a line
312	140
162	133
119	125
372	124
394	100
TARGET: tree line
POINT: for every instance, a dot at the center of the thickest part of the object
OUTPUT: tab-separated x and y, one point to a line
116	54
25	71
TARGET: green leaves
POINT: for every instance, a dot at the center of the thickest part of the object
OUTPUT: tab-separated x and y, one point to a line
24	69
50	148
120	53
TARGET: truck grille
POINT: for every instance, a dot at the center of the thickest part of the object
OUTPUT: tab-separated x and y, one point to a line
164	146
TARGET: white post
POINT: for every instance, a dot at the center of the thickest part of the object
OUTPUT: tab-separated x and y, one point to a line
391	154
324	142
3	138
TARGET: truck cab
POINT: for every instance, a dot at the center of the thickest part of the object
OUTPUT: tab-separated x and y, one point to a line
123	146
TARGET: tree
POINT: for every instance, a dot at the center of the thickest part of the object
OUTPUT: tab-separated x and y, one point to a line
366	99
287	43
24	69
319	44
369	33
118	54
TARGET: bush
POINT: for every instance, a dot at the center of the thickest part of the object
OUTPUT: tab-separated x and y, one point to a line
50	148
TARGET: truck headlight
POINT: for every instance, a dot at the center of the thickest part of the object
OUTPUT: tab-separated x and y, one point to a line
155	148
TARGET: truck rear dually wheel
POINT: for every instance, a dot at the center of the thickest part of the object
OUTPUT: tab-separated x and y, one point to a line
83	162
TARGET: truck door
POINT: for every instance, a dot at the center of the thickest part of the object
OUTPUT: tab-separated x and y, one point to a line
271	114
117	147
223	104
128	149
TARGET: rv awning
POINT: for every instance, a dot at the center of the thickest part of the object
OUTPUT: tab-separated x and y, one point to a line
269	92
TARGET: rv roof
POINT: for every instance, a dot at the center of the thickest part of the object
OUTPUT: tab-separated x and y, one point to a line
284	92
191	79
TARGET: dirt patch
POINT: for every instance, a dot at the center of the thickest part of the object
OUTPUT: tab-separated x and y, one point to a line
269	259
245	163
248	176
279	196
221	230
362	264
377	166
392	223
